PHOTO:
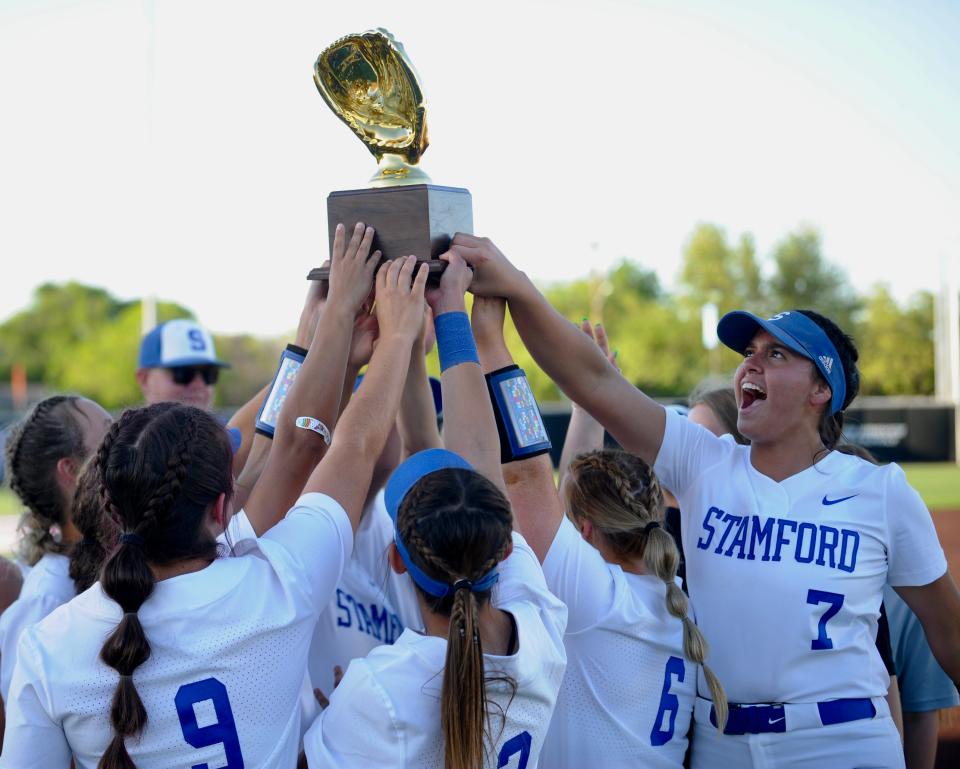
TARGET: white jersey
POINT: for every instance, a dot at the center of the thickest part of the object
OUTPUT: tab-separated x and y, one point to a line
386	711
786	579
228	653
628	693
46	586
372	604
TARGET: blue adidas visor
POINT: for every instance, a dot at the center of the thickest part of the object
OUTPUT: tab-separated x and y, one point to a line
403	479
797	332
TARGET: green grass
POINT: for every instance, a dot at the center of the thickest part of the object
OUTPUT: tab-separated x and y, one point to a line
9	504
938	484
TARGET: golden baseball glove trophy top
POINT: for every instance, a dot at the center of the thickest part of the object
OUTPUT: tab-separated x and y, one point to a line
370	84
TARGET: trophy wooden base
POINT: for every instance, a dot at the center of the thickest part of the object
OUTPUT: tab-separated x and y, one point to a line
418	219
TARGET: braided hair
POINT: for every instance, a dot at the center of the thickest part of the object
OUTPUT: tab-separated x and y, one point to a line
620	495
98	532
457	526
159	469
48	433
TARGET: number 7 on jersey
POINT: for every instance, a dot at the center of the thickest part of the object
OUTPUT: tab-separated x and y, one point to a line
834	601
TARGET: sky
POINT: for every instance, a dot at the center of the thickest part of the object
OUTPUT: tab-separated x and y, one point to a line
179	147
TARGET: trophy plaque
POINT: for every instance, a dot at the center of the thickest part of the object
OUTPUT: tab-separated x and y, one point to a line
370	84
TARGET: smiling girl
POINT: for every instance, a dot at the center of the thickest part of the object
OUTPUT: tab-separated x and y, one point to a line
789	542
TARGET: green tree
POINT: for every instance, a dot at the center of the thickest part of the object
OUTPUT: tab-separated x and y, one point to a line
44	336
896	345
252	362
804	279
103	366
79	338
714	271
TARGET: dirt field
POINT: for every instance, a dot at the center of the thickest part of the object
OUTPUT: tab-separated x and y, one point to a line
948	527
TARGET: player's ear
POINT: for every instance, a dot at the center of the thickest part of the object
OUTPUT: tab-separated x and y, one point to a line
218	511
396	562
586	529
67	471
820	392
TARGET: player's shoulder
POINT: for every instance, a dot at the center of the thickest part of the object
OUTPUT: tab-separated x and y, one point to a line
856	472
395	673
51	574
70	628
640	609
410	652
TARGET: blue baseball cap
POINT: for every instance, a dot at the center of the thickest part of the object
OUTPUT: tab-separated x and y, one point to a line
796	331
178	343
403	479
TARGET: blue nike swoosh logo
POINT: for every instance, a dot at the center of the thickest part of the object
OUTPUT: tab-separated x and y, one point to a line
837	501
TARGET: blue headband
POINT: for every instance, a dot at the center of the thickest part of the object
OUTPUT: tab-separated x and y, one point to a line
794	329
403	479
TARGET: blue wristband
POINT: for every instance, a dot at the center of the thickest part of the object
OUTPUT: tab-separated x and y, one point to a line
290	361
455	343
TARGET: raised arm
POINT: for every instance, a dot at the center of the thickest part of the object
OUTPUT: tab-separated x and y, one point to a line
564	353
245	418
316	391
417	421
346	470
361	346
469	428
537	511
584	433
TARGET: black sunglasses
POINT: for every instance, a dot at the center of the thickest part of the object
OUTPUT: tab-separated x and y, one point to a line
183	375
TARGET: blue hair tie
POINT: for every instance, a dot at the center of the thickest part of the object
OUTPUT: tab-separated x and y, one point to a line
435	587
131	539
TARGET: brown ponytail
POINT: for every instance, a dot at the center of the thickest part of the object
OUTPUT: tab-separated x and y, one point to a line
463	713
457	527
621	496
159	469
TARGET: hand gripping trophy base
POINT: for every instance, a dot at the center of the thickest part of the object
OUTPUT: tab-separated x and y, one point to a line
417	219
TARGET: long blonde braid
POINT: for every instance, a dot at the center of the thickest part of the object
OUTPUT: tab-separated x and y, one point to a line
620	495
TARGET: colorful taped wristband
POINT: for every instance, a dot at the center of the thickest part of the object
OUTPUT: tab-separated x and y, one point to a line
455	343
290	361
522	432
314	425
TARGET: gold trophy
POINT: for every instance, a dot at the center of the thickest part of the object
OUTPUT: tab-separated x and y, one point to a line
370	84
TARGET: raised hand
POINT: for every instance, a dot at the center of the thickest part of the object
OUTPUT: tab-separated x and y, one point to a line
494	275
456	278
399	304
599	335
312	309
352	267
365	333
